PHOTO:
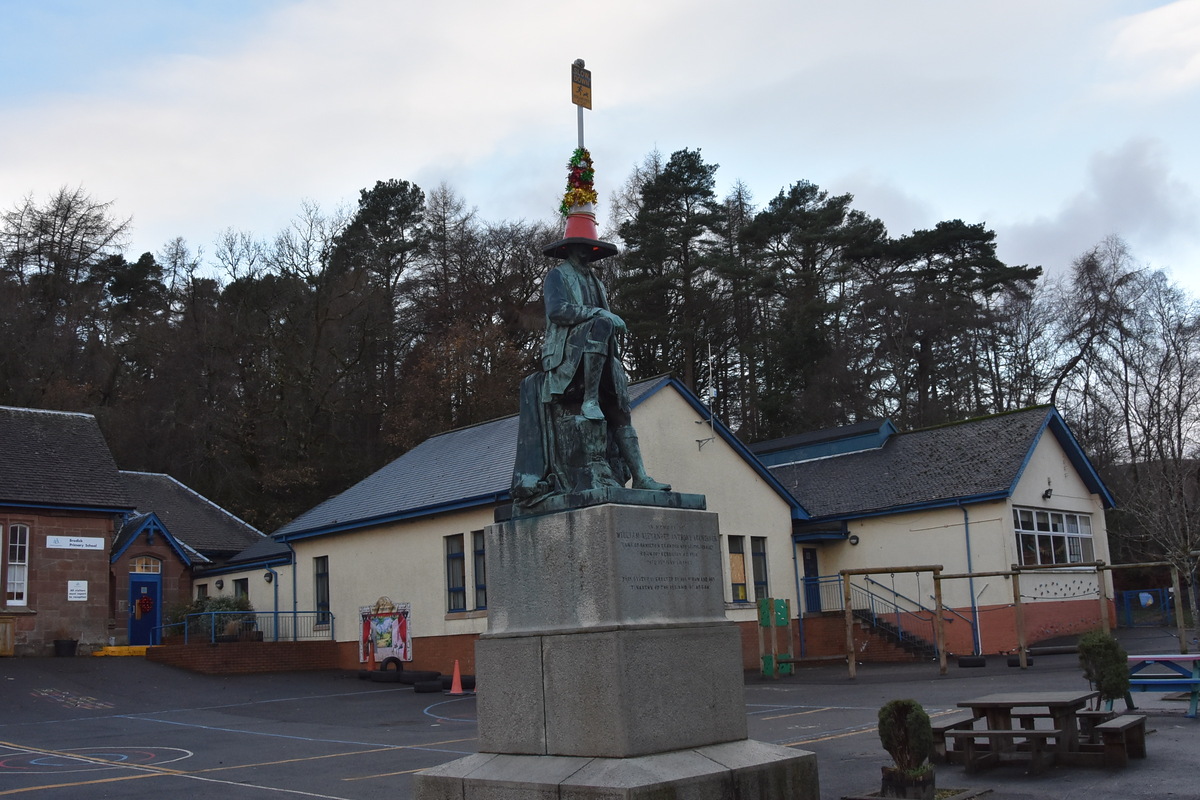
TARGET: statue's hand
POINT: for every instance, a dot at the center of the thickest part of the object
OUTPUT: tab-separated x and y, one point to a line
618	323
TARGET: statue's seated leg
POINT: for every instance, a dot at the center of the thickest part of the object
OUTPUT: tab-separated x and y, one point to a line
596	348
631	451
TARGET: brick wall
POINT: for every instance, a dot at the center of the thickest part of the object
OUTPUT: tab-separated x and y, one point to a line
235	658
436	653
49	614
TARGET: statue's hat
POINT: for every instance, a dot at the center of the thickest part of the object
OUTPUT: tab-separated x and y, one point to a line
578	206
581	230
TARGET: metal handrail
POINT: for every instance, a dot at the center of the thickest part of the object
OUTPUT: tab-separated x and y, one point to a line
214	626
945	609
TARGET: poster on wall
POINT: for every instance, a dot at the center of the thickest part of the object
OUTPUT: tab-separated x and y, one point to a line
386	631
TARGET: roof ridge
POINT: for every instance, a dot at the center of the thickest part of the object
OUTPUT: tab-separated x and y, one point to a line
192	491
517	413
981	418
48	411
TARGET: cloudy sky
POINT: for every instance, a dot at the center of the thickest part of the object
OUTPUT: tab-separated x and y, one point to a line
1055	123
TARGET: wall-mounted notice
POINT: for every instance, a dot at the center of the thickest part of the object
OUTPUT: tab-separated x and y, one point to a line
77	590
75	542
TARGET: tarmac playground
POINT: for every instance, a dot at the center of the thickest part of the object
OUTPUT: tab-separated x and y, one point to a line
124	728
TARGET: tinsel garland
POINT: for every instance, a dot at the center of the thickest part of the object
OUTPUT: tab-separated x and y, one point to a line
580	175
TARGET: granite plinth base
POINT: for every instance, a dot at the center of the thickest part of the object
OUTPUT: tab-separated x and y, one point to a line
604	566
611	693
744	770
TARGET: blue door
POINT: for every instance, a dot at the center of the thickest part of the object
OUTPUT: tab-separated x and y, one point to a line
812	580
145	608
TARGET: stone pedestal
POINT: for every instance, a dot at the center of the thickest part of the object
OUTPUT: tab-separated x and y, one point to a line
609	669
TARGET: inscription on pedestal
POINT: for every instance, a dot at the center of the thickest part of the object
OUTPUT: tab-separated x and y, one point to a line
605	566
654	559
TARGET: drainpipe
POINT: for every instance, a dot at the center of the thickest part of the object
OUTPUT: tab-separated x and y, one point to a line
971	581
295	601
799	602
275	605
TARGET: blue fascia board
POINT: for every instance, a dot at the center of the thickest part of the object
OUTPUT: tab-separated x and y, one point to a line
798	510
263	563
89	509
1079	460
398	516
820	536
835	447
152	518
946	502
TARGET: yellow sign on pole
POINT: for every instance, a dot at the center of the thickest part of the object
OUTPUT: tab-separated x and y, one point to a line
581	86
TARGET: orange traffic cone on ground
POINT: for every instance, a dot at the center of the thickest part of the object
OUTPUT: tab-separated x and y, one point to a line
456	689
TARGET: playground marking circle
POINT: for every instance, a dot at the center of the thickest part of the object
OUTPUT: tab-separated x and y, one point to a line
60	761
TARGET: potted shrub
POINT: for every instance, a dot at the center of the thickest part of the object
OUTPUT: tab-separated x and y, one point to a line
907	735
1105	665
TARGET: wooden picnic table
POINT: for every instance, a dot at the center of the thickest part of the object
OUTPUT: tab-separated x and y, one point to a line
1001	708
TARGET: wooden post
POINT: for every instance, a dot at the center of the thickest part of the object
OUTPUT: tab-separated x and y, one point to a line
848	614
939	624
1178	603
774	637
1019	611
792	644
762	666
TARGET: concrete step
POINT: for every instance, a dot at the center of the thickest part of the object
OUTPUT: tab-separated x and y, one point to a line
128	650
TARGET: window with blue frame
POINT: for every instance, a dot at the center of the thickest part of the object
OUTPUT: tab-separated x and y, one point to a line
480	569
758	563
321	589
456	574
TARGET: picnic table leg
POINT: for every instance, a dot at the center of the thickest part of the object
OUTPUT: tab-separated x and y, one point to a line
1064	721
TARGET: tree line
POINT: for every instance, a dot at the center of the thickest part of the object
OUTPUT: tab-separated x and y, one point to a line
275	372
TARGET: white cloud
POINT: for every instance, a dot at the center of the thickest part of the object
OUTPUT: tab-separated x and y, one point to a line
1157	52
1130	192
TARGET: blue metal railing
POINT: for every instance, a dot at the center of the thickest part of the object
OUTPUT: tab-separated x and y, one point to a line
267	626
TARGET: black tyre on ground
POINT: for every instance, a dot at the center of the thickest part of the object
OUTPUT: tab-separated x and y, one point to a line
412	676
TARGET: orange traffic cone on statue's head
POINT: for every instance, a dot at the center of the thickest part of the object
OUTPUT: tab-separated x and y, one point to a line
456	689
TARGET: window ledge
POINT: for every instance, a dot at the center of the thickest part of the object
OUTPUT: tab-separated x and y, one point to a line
478	614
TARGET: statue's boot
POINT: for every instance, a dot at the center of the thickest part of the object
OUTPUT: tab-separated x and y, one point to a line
631	451
593	370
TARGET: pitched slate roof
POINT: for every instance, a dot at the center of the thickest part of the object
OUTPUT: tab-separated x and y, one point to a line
58	460
265	551
193	520
139	523
463	468
969	461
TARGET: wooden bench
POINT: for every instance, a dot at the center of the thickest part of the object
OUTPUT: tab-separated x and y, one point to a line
977	756
1123	737
1141	682
941	754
